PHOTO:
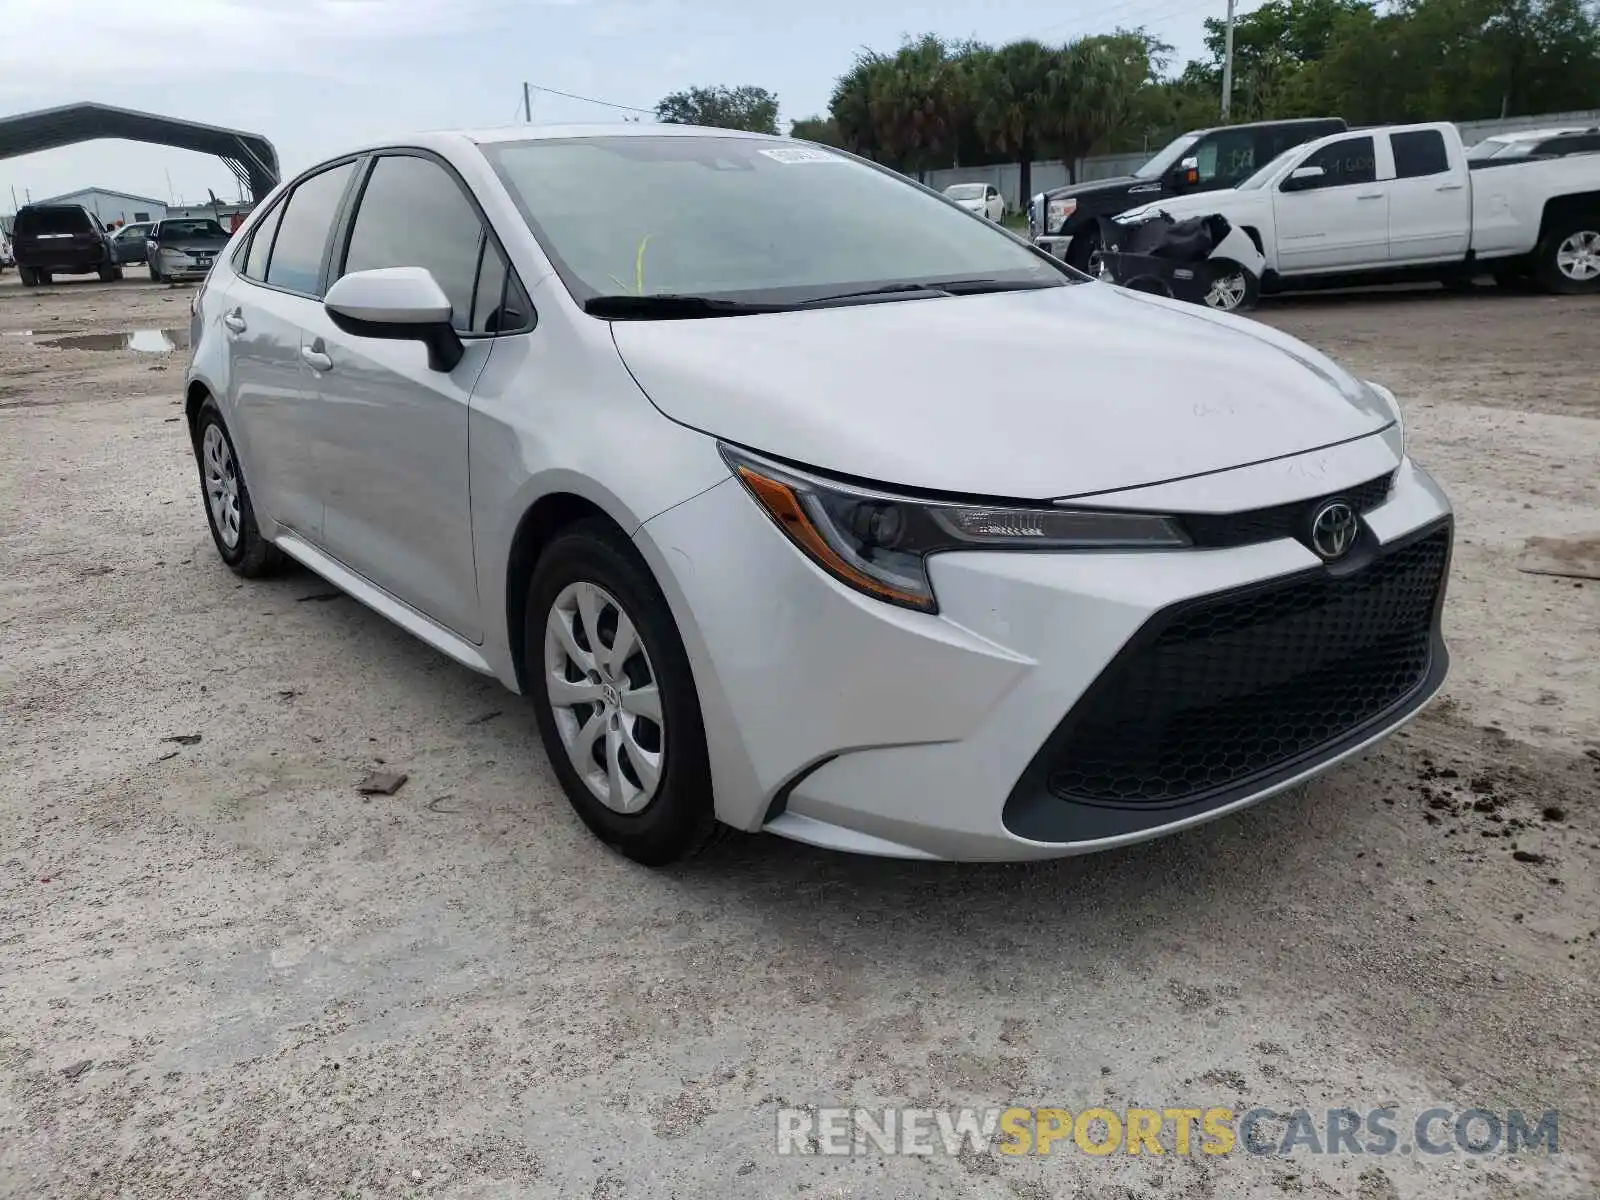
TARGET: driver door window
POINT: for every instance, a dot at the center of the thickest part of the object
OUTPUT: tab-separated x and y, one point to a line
1344	163
1225	157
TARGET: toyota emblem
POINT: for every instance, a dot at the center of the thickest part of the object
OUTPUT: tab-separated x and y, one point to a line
1333	530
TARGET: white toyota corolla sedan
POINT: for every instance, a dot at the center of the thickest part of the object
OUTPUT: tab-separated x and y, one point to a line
797	498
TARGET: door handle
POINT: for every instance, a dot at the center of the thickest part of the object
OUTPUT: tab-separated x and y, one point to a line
1449	187
1369	195
315	358
235	321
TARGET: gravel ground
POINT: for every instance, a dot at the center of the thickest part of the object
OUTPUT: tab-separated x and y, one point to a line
224	973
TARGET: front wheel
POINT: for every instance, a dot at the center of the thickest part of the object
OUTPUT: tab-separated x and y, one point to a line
614	697
29	277
1083	247
1568	259
1234	288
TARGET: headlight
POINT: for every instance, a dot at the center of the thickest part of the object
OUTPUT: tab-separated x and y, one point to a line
879	543
1056	213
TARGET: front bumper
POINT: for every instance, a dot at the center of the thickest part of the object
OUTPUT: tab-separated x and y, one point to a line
840	721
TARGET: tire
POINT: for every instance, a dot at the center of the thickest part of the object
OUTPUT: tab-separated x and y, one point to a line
1567	259
45	278
109	274
155	274
1082	248
29	277
1238	298
592	567
250	555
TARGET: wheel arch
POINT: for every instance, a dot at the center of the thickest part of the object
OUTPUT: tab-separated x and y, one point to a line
543	520
1562	208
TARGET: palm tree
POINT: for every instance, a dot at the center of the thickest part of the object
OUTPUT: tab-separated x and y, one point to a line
851	105
1013	109
1091	90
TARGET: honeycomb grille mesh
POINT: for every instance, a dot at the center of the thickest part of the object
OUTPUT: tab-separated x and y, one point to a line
1247	682
1284	520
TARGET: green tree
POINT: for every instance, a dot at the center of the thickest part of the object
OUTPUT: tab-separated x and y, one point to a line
852	103
749	108
1091	90
817	129
1014	103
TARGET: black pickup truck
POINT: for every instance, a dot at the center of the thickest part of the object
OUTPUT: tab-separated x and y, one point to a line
1202	160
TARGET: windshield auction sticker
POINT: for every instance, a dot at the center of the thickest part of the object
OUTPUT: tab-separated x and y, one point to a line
800	154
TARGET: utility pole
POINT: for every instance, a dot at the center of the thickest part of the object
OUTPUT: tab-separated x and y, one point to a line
1227	65
527	104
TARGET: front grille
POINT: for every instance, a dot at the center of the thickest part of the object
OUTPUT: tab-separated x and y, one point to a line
1211	530
1212	694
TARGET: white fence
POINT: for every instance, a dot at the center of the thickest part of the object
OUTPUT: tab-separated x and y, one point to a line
1052	173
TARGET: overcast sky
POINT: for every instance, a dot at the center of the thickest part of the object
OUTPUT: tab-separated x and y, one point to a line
316	76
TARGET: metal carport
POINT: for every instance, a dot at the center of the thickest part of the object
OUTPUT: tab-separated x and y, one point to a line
251	158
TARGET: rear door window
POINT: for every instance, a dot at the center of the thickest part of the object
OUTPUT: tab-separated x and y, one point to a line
303	229
1418	153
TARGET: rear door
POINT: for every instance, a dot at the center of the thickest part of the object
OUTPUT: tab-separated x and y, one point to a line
393	455
264	319
1430	207
1337	221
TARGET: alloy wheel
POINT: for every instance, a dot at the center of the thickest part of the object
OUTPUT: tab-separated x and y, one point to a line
1578	256
222	484
1228	292
604	696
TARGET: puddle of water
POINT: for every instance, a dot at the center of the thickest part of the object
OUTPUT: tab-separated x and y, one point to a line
141	341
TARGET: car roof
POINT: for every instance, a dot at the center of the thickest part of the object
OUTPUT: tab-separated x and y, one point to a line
1273	124
52	208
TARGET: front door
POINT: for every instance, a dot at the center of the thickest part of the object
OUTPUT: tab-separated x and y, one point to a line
1339	220
393	458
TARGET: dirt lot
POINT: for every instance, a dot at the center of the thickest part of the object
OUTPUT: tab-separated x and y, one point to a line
224	973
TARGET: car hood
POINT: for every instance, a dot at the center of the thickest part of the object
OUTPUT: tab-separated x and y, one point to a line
1225	201
1094	186
1028	395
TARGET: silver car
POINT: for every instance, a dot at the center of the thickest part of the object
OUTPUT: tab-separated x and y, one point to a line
753	465
184	247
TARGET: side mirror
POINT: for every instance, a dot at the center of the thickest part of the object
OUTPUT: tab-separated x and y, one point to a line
1302	178
1185	174
399	304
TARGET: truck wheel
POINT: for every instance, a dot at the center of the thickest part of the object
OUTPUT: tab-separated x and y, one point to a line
1082	248
1234	288
45	278
29	276
1568	259
109	274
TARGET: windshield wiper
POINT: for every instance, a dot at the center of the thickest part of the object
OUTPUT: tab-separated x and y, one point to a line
949	287
670	307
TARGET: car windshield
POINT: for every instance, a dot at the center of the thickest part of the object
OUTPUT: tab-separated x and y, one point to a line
965	191
745	219
1260	178
199	228
1167	156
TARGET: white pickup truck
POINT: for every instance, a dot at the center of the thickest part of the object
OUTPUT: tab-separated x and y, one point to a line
1402	200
